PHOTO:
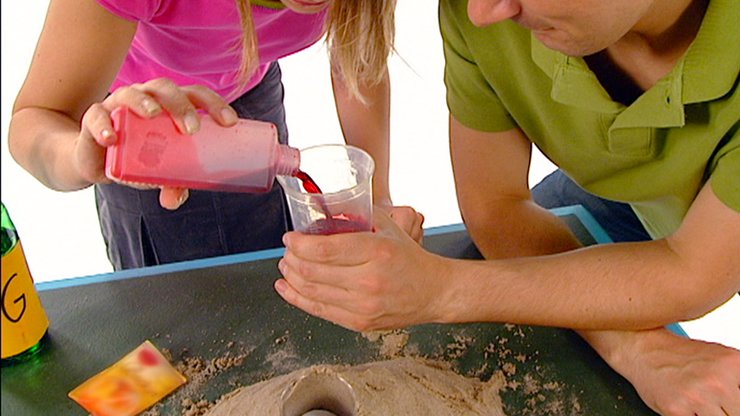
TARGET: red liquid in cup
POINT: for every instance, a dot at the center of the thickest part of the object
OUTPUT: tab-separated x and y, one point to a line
337	225
332	224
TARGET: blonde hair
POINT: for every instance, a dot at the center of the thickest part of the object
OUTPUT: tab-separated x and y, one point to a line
359	36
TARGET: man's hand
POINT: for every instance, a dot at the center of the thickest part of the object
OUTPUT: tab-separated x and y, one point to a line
364	281
677	376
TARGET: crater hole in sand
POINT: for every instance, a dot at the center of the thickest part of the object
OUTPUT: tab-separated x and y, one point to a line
316	392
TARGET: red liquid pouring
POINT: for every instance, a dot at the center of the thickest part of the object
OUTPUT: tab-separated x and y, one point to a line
330	224
308	183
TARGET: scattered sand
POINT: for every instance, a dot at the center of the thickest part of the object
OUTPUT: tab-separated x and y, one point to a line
542	395
198	372
392	343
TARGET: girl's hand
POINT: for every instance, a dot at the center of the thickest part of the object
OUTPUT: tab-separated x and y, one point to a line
147	100
407	218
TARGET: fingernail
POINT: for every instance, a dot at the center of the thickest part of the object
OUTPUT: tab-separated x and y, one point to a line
229	115
106	134
281	266
280	285
191	123
286	239
150	106
183	198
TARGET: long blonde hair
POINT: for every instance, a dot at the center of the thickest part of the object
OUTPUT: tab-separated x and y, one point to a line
359	36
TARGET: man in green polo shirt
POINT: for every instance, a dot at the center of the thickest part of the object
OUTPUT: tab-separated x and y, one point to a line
637	103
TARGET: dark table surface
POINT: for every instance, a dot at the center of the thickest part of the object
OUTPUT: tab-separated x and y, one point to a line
223	324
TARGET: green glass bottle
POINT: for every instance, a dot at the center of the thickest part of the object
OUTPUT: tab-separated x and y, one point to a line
24	322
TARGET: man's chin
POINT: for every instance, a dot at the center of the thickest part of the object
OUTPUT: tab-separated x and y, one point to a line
548	38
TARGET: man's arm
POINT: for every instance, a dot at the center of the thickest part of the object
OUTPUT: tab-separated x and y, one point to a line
491	172
618	286
355	279
672	374
626	285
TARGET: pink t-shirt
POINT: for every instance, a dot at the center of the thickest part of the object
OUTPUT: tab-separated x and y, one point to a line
199	41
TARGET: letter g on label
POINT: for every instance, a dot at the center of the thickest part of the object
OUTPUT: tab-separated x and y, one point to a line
20	299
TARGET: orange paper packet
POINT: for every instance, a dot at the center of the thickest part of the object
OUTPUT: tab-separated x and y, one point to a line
131	385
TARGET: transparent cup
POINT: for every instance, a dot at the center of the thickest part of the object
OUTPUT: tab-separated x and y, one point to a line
344	175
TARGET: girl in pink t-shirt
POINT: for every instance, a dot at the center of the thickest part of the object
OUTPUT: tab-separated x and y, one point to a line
181	57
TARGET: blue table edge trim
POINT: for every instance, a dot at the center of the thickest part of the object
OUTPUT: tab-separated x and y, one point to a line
160	269
583	215
195	264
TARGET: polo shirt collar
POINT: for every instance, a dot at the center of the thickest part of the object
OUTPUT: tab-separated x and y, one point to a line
573	82
707	71
575	85
711	63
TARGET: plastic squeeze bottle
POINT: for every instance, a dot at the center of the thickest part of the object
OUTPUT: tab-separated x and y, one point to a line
243	158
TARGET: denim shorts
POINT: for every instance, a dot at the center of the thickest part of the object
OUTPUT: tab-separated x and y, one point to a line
138	232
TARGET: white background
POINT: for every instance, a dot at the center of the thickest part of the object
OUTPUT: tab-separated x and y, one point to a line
60	232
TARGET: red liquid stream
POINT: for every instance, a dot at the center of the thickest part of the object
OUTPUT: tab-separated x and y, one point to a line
308	183
331	224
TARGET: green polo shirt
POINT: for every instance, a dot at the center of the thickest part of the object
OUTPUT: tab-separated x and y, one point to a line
654	154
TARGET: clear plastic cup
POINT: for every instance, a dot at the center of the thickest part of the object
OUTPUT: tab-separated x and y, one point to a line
344	175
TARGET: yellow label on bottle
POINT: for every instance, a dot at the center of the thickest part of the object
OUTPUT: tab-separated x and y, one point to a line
24	321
